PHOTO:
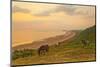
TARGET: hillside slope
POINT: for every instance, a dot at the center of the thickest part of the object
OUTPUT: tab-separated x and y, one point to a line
91	33
87	34
71	51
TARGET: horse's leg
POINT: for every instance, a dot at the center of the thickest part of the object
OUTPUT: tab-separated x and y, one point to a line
39	52
47	50
85	44
44	52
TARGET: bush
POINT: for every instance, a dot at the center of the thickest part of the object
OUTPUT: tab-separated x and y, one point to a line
22	53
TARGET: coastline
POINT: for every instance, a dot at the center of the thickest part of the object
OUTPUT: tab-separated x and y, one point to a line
50	41
22	37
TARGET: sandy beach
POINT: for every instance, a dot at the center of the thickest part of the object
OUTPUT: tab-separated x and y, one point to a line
50	41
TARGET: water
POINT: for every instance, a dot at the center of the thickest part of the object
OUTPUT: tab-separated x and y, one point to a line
28	36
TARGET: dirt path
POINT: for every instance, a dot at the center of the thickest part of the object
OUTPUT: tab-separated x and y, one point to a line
50	41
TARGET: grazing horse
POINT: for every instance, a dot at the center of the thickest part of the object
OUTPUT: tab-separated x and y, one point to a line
57	44
43	49
85	42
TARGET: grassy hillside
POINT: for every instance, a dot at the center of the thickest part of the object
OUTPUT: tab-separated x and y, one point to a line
70	51
88	34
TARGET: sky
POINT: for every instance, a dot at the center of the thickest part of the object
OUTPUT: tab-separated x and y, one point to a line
49	17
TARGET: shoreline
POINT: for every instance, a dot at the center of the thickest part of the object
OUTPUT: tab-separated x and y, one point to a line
50	41
37	38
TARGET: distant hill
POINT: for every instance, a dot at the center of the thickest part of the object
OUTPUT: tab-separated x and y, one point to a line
88	34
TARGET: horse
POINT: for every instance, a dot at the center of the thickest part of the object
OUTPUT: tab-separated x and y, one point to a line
85	42
57	44
42	50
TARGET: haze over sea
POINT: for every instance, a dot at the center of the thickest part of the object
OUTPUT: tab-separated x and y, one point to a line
28	36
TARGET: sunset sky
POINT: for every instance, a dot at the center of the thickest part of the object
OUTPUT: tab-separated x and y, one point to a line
35	21
42	16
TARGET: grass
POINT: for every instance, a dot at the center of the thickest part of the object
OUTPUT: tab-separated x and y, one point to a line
62	53
72	51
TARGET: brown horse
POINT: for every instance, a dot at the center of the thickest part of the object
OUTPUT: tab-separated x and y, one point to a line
85	42
43	50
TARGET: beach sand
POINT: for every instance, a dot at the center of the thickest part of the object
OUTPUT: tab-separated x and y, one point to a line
50	41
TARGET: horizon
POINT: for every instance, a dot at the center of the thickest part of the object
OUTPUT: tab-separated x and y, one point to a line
42	16
34	21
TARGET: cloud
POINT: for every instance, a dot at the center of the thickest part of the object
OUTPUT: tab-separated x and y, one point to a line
87	11
77	10
68	9
18	9
45	13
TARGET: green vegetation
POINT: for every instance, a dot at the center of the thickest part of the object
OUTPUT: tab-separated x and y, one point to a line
22	53
89	34
72	51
